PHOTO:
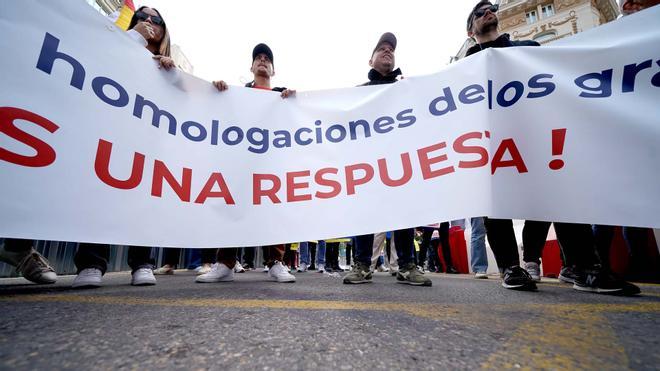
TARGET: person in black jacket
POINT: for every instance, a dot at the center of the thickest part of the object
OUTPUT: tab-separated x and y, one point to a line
576	240
382	71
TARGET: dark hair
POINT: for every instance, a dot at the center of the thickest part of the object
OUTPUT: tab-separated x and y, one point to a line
471	16
164	47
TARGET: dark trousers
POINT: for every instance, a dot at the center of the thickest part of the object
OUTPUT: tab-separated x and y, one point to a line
18	245
431	248
349	250
576	242
636	241
403	241
332	255
312	253
91	255
248	256
271	255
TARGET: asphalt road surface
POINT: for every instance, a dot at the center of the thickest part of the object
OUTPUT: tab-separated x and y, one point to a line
320	323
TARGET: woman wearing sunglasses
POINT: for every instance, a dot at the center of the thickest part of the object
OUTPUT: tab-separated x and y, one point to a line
148	27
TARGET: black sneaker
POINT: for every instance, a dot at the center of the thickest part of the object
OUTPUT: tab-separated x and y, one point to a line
567	274
516	278
603	282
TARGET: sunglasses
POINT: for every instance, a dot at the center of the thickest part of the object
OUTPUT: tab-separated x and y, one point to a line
142	16
481	12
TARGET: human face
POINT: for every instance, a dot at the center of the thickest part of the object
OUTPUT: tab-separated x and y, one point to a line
383	59
262	66
485	19
154	19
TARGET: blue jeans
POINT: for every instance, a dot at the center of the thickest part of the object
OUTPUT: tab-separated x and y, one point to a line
303	248
478	257
320	253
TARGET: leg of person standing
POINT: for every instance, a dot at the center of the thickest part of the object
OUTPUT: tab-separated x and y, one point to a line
446	248
478	256
27	261
534	236
405	249
502	240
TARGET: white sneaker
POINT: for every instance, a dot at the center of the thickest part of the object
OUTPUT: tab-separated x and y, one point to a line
279	273
534	270
205	268
303	267
143	277
238	268
321	268
218	273
481	275
89	277
265	270
164	270
382	268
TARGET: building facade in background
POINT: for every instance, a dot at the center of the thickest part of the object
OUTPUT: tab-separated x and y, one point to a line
109	7
545	21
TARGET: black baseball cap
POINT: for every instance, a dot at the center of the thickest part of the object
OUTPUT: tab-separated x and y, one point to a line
262	49
387	37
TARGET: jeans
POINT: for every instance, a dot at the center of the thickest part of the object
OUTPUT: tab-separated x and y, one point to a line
320	253
478	256
304	252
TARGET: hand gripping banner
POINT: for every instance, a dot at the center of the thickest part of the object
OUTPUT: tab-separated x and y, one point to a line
99	145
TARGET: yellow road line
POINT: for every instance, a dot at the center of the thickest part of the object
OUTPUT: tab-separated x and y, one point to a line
418	309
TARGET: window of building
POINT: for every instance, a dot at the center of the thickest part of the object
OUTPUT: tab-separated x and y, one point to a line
547	11
531	16
545	36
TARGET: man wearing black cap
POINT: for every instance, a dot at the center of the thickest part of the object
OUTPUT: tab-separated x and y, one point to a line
576	240
382	71
223	271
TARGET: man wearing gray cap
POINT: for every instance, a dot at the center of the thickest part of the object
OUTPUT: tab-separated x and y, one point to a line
382	71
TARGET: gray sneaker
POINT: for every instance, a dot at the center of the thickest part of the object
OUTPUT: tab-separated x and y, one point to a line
534	270
411	275
32	265
360	273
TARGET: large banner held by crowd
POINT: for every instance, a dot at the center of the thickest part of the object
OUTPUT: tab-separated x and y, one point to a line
99	145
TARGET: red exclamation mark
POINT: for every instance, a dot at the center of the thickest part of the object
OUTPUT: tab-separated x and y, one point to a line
558	138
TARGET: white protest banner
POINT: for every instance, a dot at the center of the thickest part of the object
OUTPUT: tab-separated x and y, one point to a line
99	145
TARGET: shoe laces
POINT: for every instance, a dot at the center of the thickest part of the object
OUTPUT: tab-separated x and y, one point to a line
40	261
517	270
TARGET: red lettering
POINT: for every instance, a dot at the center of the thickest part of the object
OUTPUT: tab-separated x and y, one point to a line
102	167
207	191
291	186
351	181
407	171
320	180
516	159
162	172
425	161
45	153
258	193
460	147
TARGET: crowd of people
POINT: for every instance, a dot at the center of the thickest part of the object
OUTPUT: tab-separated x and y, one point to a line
407	253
